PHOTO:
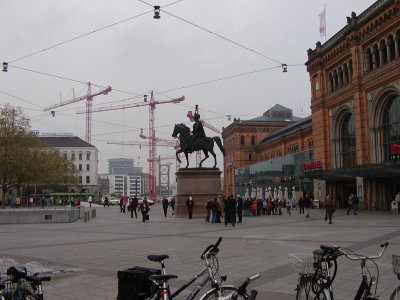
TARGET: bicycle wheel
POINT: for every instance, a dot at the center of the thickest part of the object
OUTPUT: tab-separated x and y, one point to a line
224	292
304	292
396	294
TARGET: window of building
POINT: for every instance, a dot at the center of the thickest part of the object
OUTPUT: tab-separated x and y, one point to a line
250	156
348	140
88	156
253	140
80	156
391	125
80	179
72	156
242	140
87	179
80	167
65	155
87	167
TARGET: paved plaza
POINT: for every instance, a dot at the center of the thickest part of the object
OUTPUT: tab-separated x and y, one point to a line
85	257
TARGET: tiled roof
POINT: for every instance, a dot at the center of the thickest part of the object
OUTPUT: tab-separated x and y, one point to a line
64	141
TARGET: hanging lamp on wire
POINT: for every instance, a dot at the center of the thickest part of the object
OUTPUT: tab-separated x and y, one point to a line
5	66
284	68
157	12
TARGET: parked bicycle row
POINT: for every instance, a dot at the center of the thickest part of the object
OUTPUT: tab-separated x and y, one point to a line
141	283
317	272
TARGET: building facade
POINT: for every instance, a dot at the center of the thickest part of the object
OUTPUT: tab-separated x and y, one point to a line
241	139
81	153
123	166
355	104
127	185
284	156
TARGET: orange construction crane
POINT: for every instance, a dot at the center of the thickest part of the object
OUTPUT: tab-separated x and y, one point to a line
152	133
89	98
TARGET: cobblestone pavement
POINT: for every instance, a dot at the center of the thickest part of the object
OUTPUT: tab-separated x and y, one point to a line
85	257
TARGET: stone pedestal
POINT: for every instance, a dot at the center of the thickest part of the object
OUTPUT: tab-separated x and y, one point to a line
202	184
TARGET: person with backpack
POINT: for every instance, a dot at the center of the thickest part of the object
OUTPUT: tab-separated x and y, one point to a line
145	208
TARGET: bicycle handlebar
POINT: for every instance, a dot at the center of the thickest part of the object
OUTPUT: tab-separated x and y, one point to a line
211	249
336	251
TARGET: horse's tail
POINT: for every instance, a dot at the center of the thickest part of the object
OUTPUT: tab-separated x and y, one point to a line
219	143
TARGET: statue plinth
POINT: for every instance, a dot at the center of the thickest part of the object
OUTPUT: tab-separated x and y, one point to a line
202	184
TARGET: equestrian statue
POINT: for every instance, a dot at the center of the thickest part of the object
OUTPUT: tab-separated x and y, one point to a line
197	141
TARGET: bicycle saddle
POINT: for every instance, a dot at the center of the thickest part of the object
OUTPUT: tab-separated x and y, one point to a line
17	272
157	258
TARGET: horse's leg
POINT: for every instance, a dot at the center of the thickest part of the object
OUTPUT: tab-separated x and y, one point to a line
177	157
187	159
206	156
215	157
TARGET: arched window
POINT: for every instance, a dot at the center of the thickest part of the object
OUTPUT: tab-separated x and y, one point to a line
375	57
253	140
348	141
391	48
87	167
330	82
345	74
340	77
80	156
250	156
87	179
242	140
72	156
80	167
335	80
391	125
369	62
80	179
383	52
87	155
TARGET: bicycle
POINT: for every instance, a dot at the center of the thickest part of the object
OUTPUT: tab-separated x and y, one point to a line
325	259
161	290
303	264
20	285
396	270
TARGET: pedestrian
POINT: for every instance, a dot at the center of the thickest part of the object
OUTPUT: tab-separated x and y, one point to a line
134	206
208	209
121	203
172	204
106	202
301	205
307	205
229	210
190	205
90	201
144	208
329	208
239	202
397	199
351	205
288	207
165	205
124	203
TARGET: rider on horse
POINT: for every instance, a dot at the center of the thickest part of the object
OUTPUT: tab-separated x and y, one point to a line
198	131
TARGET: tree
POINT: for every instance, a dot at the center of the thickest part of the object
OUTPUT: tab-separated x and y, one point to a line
24	160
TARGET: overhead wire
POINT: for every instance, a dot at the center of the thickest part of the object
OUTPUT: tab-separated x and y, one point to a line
88	33
218	35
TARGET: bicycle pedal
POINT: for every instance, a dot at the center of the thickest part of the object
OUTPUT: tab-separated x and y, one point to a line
224	277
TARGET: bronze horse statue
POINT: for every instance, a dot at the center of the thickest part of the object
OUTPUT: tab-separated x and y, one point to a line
188	145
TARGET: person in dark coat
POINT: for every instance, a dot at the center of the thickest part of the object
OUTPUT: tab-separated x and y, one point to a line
307	205
172	204
230	210
190	205
208	209
165	205
329	208
239	201
301	205
134	206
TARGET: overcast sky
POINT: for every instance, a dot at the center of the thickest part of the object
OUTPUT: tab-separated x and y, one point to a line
224	56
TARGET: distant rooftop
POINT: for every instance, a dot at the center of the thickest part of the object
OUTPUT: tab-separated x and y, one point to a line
64	141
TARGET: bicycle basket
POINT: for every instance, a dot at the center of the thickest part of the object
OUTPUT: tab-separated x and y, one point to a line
11	286
302	263
396	264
